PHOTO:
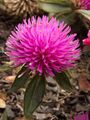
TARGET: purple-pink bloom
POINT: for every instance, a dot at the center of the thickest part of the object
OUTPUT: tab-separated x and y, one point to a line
87	40
43	45
83	116
85	4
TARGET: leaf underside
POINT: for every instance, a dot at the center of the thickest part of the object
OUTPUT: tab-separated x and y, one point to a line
34	95
63	80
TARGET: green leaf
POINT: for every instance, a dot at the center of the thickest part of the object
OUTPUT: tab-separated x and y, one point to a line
85	13
63	2
54	8
34	95
21	78
68	18
63	80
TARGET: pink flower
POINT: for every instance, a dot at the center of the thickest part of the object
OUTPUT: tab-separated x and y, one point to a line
85	4
43	45
87	40
82	4
83	116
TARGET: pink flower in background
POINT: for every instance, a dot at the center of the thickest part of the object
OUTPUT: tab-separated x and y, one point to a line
82	4
83	116
43	45
85	4
87	40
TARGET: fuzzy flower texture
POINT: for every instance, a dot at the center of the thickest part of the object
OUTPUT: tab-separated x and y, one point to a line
87	40
85	4
43	45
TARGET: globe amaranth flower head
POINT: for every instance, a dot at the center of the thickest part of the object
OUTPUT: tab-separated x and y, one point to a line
43	45
85	4
82	4
87	40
